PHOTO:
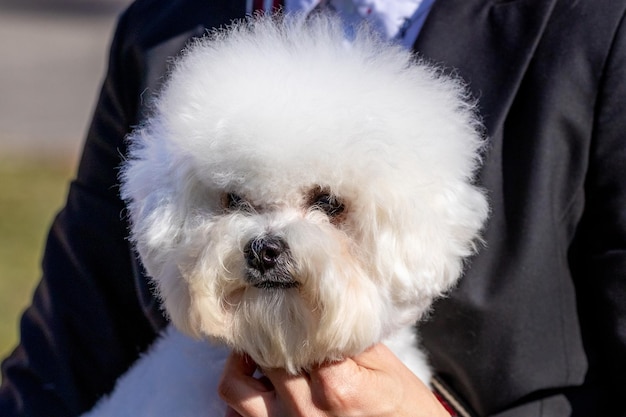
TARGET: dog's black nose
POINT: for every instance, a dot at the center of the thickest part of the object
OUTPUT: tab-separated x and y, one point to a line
263	253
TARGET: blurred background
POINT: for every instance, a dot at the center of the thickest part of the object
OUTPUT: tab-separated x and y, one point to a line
52	60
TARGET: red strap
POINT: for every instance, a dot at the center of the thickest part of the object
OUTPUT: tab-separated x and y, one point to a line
445	404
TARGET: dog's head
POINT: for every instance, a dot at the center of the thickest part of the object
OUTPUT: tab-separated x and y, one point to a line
300	198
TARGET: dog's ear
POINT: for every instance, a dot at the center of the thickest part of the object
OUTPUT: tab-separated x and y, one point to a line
464	209
421	239
148	186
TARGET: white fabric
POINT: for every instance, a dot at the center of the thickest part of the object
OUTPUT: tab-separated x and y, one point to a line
395	20
179	377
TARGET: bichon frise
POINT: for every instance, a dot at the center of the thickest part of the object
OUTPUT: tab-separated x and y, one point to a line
299	197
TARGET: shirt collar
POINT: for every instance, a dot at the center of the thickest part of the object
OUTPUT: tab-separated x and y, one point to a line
395	20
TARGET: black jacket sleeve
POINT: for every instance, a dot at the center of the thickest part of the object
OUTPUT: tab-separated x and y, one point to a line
598	256
85	325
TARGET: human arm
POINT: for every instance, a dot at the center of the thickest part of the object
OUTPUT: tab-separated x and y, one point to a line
598	255
84	325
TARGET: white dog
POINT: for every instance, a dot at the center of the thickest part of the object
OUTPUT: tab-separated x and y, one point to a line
299	197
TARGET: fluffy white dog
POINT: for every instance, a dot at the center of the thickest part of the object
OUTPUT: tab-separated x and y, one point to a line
299	197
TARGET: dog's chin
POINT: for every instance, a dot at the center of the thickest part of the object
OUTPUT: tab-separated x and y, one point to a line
281	321
276	326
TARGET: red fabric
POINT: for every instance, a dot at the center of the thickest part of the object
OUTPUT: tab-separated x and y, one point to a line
447	406
257	5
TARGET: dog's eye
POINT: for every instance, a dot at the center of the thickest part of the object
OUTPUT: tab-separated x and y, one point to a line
234	202
329	204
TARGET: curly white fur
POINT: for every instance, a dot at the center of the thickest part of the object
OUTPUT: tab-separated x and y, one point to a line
274	113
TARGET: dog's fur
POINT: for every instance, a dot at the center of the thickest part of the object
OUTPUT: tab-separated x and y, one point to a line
300	197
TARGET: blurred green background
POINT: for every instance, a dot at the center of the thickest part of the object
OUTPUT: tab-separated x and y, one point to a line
32	190
54	56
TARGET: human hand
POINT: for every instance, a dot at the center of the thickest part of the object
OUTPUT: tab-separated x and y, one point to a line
372	384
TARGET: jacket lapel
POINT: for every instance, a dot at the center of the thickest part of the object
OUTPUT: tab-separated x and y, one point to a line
158	57
489	43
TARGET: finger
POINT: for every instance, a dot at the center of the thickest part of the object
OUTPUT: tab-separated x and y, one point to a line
231	413
241	367
340	385
286	384
380	358
241	391
294	391
336	386
378	370
375	357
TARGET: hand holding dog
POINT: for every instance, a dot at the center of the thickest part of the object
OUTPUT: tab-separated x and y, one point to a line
374	383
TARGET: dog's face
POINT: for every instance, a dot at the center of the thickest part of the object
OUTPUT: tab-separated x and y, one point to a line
293	213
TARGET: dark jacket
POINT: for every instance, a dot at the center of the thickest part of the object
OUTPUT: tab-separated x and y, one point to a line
538	324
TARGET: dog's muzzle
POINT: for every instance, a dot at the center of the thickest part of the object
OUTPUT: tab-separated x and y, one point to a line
268	259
